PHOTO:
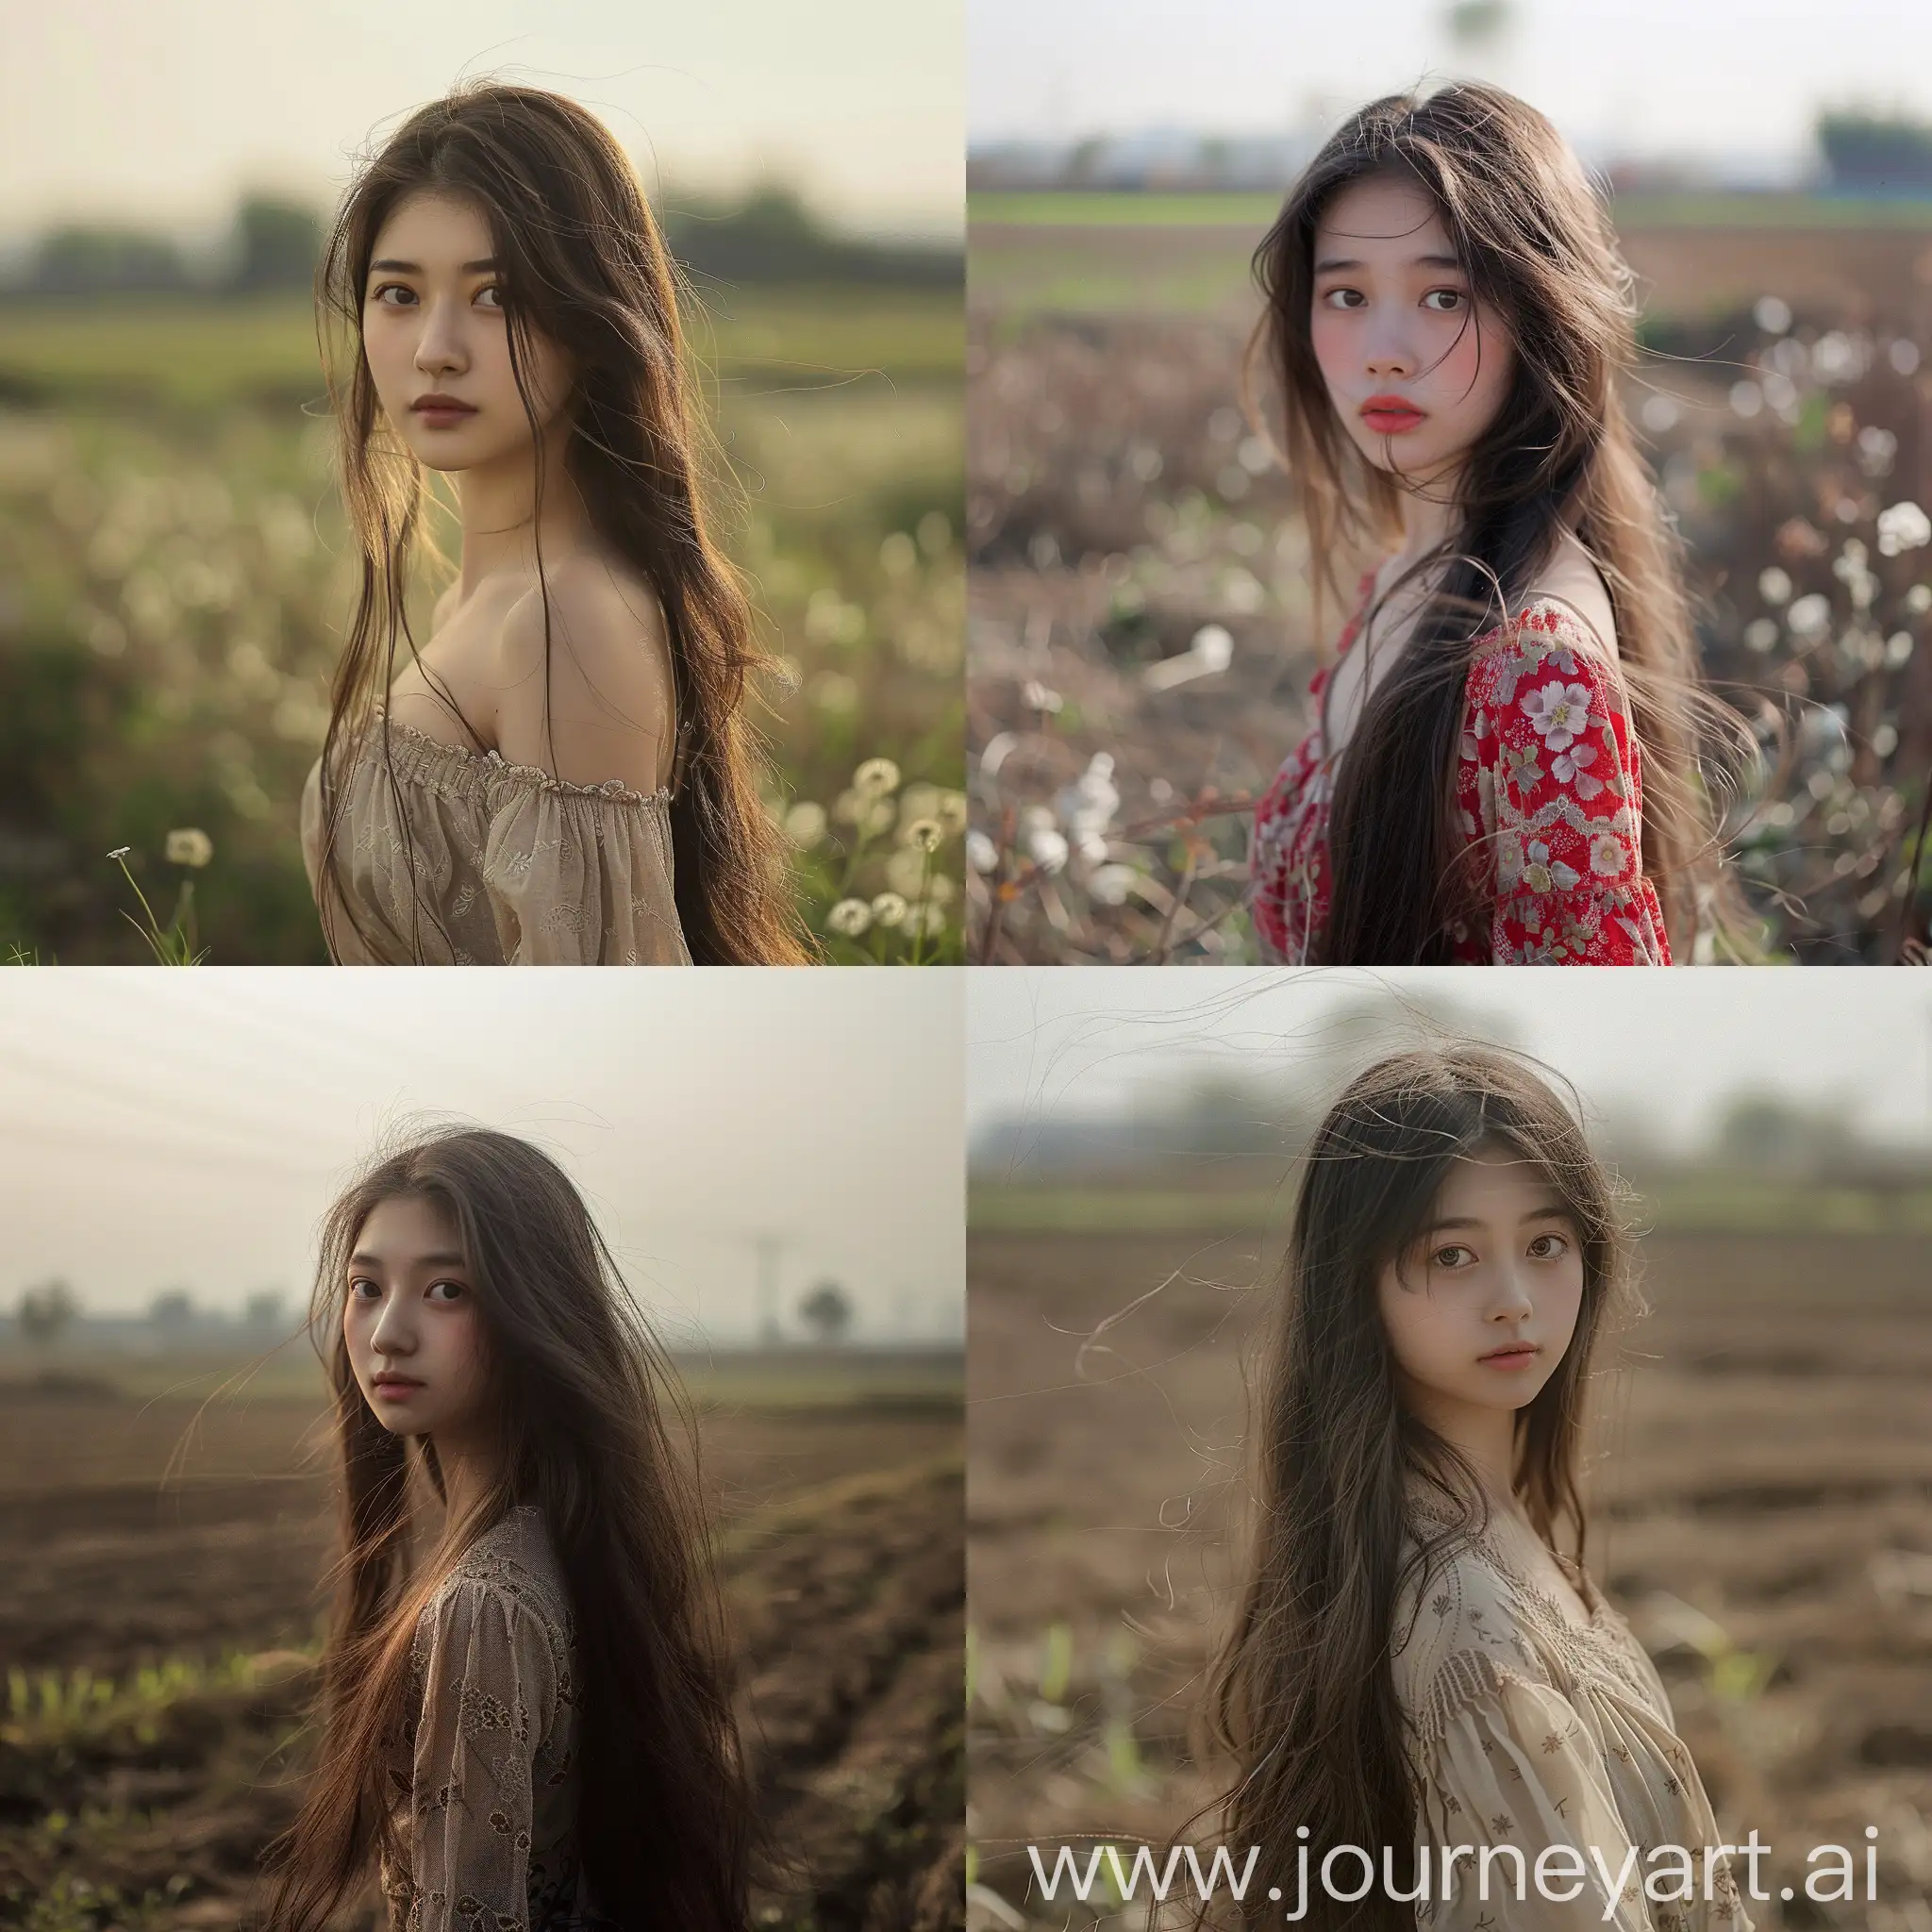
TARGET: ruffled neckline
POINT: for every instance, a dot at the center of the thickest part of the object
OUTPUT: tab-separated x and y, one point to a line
436	757
1423	1502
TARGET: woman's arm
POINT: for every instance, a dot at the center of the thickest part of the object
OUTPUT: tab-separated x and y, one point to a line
489	1699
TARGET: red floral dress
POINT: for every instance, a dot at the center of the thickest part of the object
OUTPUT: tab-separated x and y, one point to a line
1548	783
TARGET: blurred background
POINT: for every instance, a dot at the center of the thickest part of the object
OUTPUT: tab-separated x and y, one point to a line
1760	1460
1140	588
171	1143
174	576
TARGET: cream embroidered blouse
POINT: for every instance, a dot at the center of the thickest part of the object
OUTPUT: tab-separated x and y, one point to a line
512	866
1532	1731
484	1769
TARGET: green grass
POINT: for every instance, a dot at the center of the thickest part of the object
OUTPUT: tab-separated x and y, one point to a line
191	351
1125	209
767	1379
1694	1204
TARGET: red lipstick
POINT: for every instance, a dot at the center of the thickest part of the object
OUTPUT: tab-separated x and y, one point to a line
1388	415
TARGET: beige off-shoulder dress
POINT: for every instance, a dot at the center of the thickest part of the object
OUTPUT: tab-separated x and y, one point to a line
483	1772
452	856
1532	1731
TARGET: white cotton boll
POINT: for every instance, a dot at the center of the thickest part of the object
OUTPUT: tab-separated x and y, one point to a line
1775	586
1087	805
1046	848
982	854
1809	617
1110	885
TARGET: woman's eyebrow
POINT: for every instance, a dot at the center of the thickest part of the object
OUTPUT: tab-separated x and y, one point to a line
1335	261
419	1260
415	268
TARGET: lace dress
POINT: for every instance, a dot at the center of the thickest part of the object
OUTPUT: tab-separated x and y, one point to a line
483	1770
1531	1732
512	866
1548	785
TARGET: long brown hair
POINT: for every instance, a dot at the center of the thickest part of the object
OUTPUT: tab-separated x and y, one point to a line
1302	1690
579	1389
1539	249
583	266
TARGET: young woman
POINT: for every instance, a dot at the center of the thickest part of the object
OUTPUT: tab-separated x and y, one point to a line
533	1727
1504	763
1414	1663
563	773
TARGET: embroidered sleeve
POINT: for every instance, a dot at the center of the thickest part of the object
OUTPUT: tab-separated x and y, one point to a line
489	1698
1549	779
1518	1779
579	878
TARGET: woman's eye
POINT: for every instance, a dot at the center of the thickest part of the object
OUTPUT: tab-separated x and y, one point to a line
1443	301
387	289
1547	1247
1455	1256
1343	298
491	290
365	1292
446	1291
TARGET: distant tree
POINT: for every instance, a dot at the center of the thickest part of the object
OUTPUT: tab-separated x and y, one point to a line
90	259
827	1312
45	1311
1476	26
264	1308
171	1310
278	243
1873	153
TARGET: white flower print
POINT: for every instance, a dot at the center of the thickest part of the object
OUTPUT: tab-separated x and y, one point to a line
1607	858
1559	712
1572	768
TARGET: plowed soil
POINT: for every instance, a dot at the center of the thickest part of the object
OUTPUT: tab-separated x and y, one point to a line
840	1534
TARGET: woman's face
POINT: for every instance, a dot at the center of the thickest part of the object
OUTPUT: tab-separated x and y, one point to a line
1395	325
1481	1310
415	1337
433	324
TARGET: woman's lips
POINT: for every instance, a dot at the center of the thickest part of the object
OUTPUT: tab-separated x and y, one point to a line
1390	415
1511	1358
393	1385
441	417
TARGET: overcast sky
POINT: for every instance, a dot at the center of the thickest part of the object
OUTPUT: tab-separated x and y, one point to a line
164	109
1717	77
1663	1049
161	1129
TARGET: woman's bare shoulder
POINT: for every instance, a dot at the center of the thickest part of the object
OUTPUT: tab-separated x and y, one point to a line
1572	580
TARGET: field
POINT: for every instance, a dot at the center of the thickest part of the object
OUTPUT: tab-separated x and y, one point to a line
159	1637
1122	504
1762	1512
174	579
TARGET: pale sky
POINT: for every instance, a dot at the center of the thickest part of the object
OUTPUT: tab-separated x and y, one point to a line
164	109
1716	78
1663	1049
164	1129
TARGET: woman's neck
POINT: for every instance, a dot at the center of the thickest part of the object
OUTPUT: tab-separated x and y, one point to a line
468	1470
1485	1437
496	501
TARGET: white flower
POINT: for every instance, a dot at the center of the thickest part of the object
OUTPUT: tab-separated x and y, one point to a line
1110	884
888	908
1040	698
121	851
1904	526
850	917
1809	617
877	777
952	810
190	845
1607	856
1560	713
1572	769
982	854
1775	586
924	834
805	823
1509	861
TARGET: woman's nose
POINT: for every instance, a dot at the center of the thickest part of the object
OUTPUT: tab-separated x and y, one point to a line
440	347
391	1334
